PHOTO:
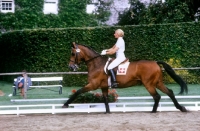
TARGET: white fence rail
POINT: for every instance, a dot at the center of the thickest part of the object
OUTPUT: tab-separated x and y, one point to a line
94	107
192	105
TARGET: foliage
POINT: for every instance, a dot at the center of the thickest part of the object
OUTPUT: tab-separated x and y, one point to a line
102	12
95	97
134	15
193	6
48	50
72	13
29	15
168	12
157	12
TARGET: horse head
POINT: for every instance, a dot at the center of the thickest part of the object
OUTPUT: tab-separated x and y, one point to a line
75	57
81	53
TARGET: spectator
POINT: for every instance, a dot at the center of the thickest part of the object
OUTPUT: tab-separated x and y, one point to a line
19	83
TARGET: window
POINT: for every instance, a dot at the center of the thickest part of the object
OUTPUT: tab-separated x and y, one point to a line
50	6
7	6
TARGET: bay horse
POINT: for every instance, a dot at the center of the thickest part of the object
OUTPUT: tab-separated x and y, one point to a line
147	72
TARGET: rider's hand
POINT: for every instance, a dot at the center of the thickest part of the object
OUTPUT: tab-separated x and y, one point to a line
103	52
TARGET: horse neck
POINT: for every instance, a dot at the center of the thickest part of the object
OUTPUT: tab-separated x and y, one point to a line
96	64
92	58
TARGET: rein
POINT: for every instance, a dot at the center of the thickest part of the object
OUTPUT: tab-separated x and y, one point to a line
87	60
92	59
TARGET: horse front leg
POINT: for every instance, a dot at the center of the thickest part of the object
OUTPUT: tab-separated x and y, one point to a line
105	97
71	99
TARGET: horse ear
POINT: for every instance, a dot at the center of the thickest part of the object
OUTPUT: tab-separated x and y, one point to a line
73	45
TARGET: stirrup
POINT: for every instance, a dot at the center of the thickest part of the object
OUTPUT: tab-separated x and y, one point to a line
114	85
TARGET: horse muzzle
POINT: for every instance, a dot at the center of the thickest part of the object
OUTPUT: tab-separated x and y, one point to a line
73	67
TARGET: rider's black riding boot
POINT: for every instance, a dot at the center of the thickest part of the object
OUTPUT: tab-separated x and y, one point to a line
113	79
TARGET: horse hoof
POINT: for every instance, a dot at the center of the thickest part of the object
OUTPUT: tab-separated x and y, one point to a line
153	111
64	106
183	109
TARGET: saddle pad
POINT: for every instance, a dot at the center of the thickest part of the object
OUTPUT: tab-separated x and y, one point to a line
122	68
105	67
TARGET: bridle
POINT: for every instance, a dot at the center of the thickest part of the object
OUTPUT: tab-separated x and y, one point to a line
76	57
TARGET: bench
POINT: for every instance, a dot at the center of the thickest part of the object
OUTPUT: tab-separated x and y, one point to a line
43	80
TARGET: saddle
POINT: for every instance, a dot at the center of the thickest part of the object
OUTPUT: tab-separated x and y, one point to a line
116	68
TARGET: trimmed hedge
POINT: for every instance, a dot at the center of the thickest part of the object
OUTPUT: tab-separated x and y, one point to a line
48	50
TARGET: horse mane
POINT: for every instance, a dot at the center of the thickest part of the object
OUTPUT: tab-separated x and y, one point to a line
88	48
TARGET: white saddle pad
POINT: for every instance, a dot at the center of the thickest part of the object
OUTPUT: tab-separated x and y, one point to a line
122	68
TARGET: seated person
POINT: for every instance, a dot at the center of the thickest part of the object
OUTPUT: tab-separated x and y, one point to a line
19	83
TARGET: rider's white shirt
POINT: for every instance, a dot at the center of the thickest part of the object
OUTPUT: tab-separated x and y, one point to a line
121	45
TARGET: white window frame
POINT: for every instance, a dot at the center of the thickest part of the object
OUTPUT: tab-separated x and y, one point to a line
53	11
7	6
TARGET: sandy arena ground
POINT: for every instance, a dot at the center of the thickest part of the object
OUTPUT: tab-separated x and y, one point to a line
133	121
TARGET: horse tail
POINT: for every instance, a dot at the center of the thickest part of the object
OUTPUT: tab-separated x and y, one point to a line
174	76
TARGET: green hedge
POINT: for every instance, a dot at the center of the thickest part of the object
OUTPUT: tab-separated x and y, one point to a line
48	50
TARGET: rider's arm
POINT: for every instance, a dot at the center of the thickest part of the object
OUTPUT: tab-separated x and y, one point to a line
112	50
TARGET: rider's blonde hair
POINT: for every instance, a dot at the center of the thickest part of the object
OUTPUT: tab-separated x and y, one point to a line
120	32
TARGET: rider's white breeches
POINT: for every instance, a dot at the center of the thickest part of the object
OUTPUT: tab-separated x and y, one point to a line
116	62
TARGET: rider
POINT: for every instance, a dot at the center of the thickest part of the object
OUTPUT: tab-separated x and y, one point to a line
119	49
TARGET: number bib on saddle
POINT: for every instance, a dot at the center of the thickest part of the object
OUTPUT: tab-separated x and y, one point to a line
122	68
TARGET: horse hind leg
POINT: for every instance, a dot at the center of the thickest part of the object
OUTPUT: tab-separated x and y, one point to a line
170	93
176	104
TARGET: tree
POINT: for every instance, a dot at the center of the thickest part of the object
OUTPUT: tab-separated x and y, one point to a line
171	11
157	12
102	11
193	6
134	15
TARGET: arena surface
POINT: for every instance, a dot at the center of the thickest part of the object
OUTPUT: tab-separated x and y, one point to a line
132	121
